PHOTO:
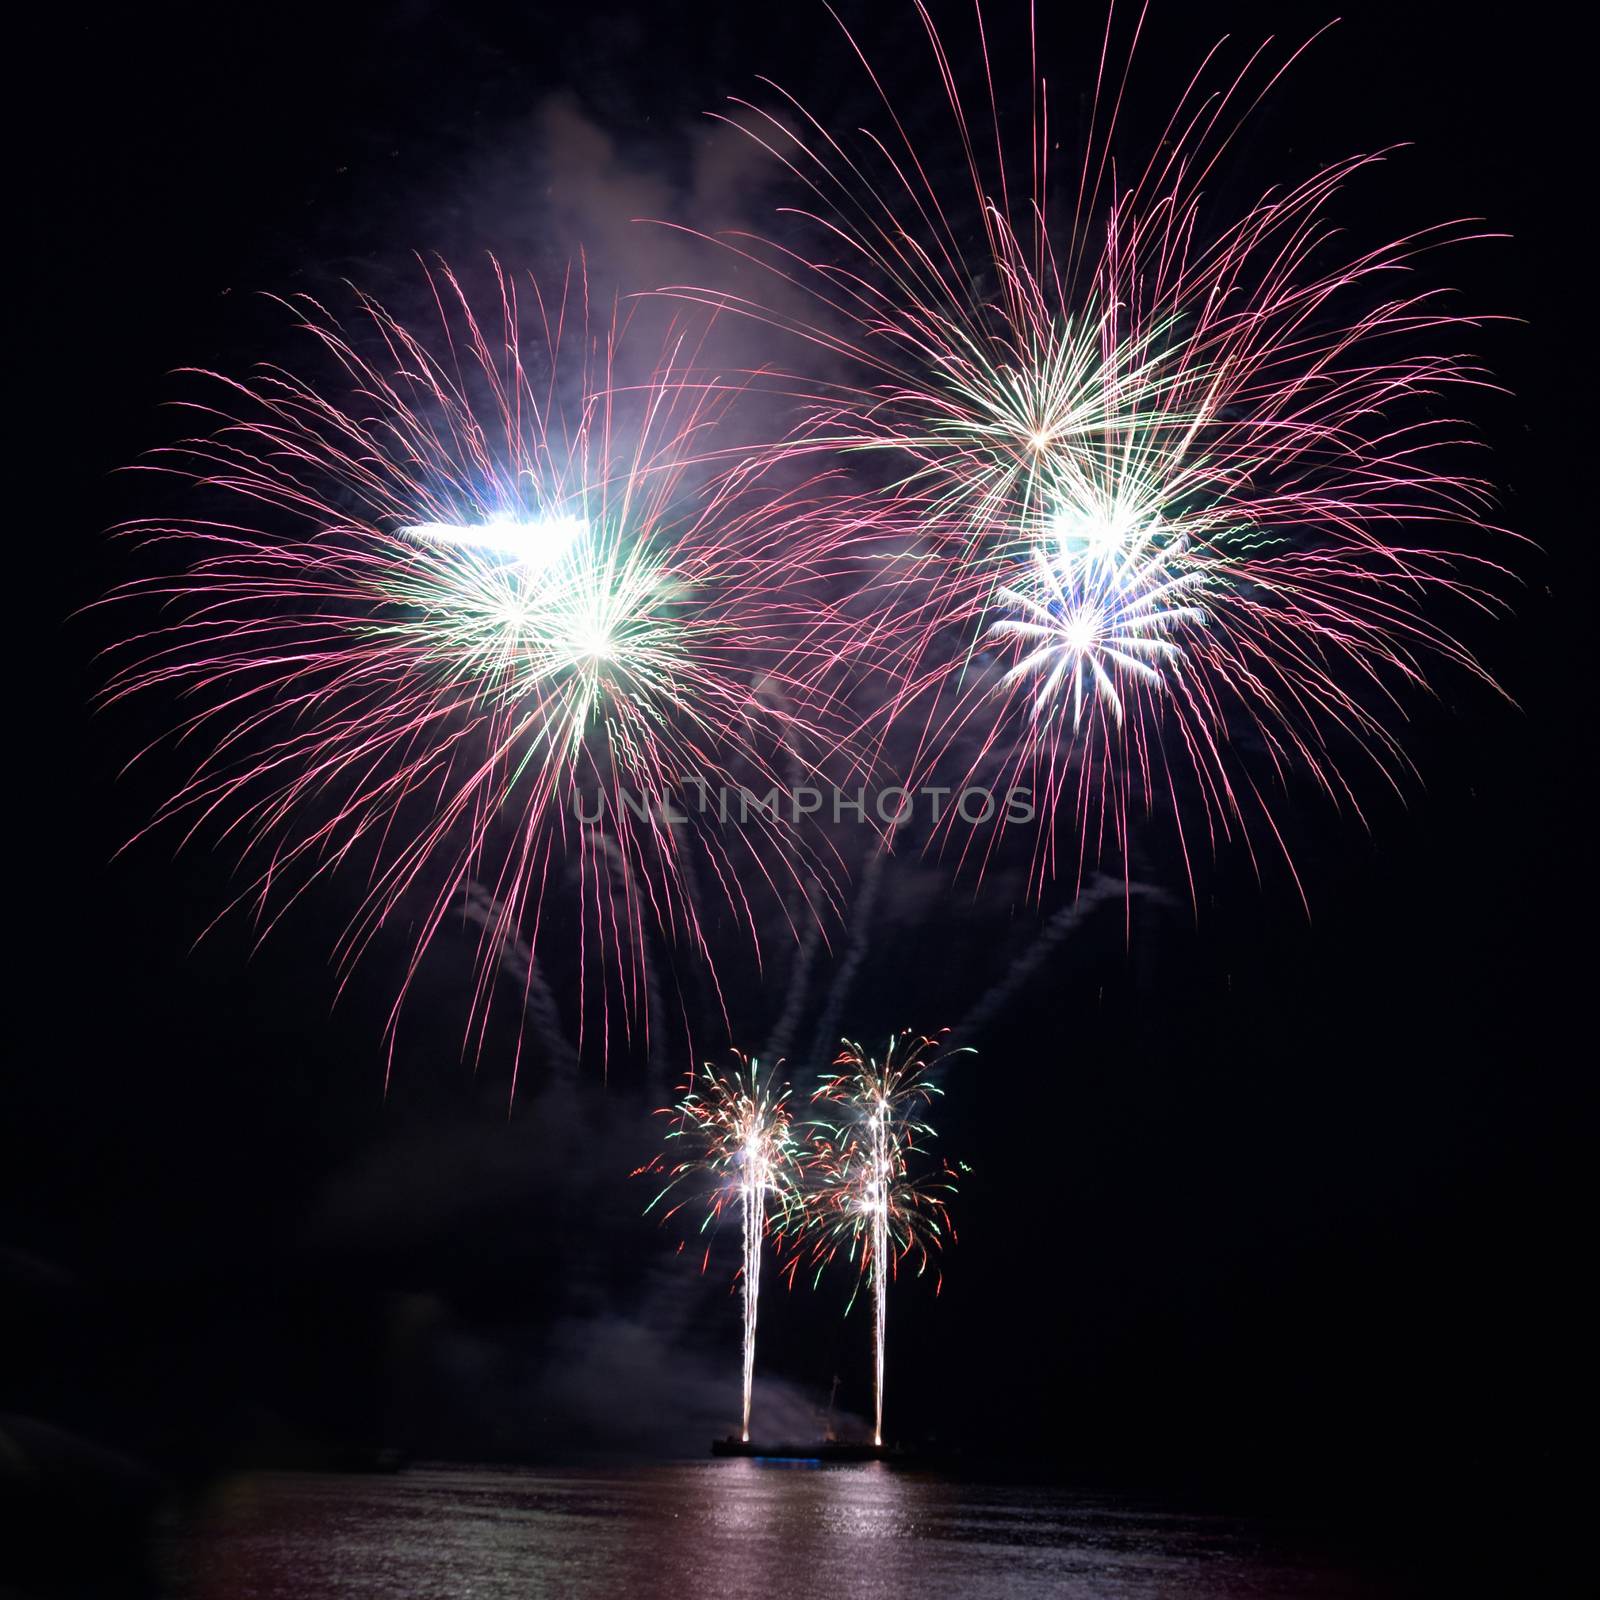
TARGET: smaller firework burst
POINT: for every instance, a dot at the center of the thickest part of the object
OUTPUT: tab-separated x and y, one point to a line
868	1200
735	1130
1106	591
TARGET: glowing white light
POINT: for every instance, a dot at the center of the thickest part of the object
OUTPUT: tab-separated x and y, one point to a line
536	543
590	640
1086	532
1102	605
1080	632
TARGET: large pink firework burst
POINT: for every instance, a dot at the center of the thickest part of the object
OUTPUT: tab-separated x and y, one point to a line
466	612
1163	487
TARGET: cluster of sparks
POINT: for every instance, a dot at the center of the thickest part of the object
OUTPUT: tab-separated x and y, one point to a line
1158	531
737	1131
1106	595
871	1203
1158	482
853	1183
497	615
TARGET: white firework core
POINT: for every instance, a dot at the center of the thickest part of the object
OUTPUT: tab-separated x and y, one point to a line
1107	587
537	543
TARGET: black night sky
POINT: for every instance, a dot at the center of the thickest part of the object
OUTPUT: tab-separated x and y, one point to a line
1267	1209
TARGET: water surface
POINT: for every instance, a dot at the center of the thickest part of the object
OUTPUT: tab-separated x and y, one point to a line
724	1528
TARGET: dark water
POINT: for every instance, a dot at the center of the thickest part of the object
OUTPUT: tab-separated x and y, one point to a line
722	1528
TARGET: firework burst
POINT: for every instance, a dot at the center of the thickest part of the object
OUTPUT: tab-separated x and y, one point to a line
868	1201
1165	486
734	1134
1103	600
459	614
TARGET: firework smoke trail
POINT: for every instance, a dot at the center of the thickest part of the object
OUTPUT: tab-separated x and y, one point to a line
855	952
445	596
1098	891
867	1198
778	1044
1169	484
517	960
649	1004
736	1128
806	952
